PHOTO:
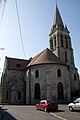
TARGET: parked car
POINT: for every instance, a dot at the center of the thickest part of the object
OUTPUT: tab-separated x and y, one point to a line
75	105
47	105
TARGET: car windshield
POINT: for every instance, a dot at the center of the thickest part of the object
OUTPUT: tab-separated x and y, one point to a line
77	100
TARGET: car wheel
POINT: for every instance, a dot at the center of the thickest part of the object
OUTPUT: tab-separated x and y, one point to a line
70	108
45	109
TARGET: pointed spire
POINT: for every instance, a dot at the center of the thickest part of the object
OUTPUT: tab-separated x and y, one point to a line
57	18
57	23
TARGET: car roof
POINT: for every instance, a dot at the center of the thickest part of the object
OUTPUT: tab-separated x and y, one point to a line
48	100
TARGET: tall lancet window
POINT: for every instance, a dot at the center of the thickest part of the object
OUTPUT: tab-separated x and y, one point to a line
19	95
7	94
37	91
54	41
61	37
37	74
66	42
65	56
59	73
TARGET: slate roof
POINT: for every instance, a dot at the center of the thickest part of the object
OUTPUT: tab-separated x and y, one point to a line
16	64
45	57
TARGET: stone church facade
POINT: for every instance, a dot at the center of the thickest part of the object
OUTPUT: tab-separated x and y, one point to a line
49	75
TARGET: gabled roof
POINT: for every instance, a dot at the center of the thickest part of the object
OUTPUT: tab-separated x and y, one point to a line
57	18
45	57
16	64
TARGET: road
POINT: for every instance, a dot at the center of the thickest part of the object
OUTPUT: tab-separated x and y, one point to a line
11	112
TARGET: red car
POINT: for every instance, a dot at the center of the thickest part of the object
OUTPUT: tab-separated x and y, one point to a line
47	105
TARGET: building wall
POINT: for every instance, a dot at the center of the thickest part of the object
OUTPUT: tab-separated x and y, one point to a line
25	81
12	83
74	81
48	81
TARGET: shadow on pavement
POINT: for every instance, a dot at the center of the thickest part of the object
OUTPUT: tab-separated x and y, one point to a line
4	115
58	111
75	111
53	110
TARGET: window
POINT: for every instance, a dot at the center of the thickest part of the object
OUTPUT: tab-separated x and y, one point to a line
7	95
37	74
62	27
19	95
59	73
66	44
42	102
54	40
65	56
77	101
60	91
61	41
66	41
37	91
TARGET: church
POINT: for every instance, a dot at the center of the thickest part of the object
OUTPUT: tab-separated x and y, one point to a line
51	74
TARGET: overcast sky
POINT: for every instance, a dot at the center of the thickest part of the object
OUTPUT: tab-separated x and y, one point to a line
36	19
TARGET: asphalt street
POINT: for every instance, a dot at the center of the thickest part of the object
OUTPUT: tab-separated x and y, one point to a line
27	112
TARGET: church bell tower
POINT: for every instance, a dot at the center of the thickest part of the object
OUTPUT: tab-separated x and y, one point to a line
60	41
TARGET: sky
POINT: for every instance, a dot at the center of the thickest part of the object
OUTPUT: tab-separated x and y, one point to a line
36	19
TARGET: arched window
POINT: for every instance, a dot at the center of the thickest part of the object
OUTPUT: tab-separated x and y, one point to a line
61	40
37	91
54	41
60	91
66	41
7	94
37	74
59	73
19	95
65	56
